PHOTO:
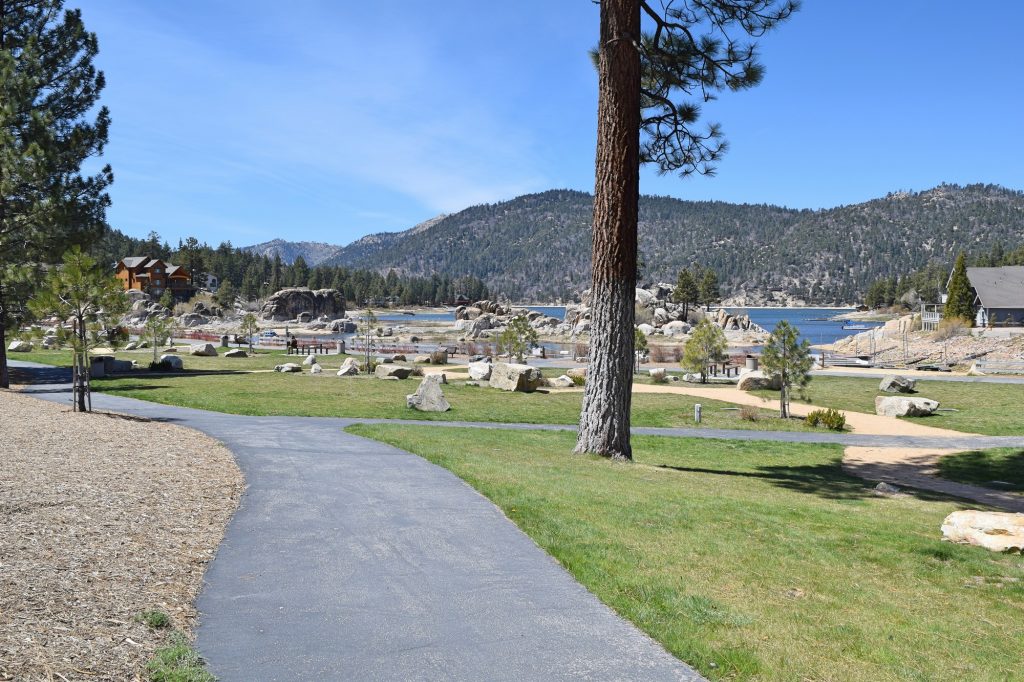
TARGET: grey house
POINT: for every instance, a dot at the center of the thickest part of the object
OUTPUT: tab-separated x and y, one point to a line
999	295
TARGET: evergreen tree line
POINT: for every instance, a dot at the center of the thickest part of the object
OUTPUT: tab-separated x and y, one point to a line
927	284
253	276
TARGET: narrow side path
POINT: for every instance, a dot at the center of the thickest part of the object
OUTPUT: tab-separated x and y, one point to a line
350	559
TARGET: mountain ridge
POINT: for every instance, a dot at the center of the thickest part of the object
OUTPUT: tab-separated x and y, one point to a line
538	245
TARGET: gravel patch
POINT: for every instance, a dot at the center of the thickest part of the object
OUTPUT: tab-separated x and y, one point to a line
104	517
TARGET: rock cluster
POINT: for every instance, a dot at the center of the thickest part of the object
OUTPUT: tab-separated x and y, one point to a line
290	304
487	318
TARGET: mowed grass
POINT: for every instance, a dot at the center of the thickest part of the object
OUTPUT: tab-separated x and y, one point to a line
752	560
987	408
326	395
1004	466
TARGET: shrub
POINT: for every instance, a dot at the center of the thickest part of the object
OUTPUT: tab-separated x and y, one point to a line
577	380
417	372
439	357
750	413
665	353
831	419
951	327
155	619
659	378
160	366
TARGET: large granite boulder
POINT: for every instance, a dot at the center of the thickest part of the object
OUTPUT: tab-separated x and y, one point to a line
205	350
675	328
171	361
288	367
349	368
19	347
896	406
996	531
479	371
645	329
392	371
897	384
428	396
758	381
288	304
509	376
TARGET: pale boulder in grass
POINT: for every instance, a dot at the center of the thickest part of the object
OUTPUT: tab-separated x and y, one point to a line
288	367
310	360
480	371
428	396
315	368
19	347
509	376
757	381
995	531
392	372
348	368
205	350
563	381
236	353
895	406
897	384
172	361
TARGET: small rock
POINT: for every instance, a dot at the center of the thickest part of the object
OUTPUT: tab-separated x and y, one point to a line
428	396
310	359
348	368
893	406
236	353
480	371
288	367
205	350
563	381
884	488
172	361
315	368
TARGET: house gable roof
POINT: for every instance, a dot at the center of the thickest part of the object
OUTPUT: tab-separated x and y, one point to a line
999	287
133	262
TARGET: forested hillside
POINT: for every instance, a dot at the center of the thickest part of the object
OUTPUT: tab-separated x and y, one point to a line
538	246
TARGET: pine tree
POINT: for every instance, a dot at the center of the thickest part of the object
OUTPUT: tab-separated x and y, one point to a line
709	289
960	295
706	345
48	128
686	291
692	49
92	299
787	360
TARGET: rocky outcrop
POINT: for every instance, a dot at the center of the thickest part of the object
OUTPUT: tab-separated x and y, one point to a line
995	531
192	320
895	406
510	376
897	384
288	304
428	396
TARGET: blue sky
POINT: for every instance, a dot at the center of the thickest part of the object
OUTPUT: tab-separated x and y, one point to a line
327	120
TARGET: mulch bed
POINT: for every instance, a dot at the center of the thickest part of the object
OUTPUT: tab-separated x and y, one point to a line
103	517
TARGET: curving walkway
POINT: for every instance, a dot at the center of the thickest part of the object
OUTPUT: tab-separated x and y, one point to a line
350	559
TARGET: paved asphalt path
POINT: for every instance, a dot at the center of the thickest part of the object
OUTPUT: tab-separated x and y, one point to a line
352	560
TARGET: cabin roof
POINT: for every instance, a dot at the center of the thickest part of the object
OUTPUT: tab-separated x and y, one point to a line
999	287
134	261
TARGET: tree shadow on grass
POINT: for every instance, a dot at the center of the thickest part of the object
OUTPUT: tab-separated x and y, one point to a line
979	467
824	480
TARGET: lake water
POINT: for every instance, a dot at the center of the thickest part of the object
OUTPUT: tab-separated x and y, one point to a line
813	323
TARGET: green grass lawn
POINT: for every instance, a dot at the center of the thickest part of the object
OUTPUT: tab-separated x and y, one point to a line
982	467
752	560
327	395
991	409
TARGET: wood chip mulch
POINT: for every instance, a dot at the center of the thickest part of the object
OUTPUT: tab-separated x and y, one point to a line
102	517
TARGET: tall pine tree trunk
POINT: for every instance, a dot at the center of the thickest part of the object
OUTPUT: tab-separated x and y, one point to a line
604	420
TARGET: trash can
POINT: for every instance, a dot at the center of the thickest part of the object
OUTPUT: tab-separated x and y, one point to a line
752	362
224	341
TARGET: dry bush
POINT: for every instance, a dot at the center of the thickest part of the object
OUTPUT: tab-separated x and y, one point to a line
665	353
951	328
439	357
750	413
